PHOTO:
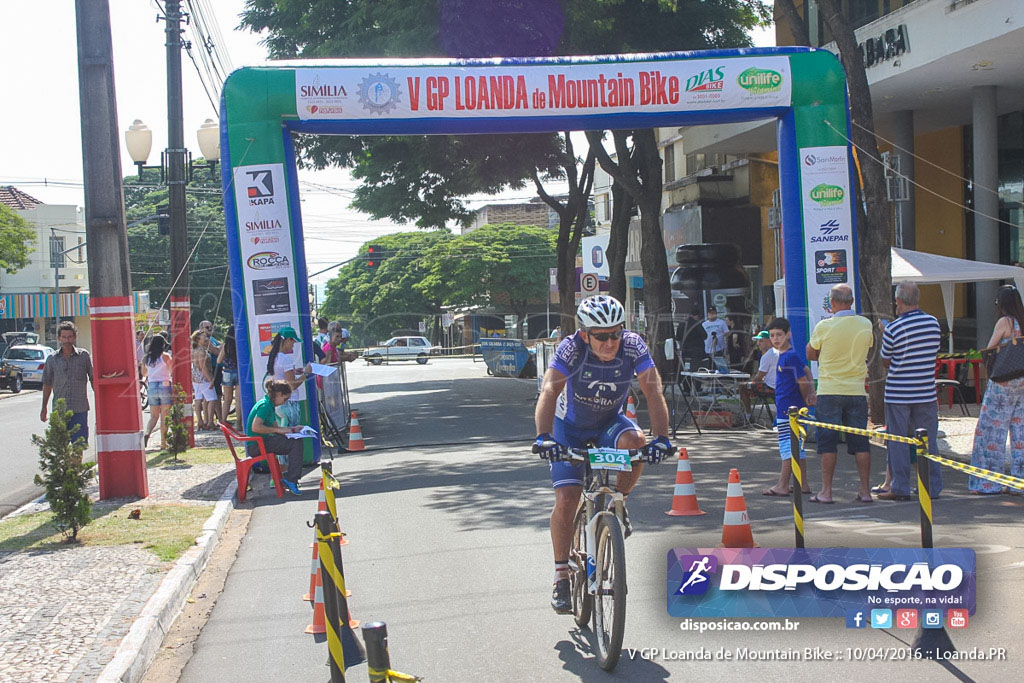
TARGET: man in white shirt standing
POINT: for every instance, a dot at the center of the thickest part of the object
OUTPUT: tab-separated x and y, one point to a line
762	384
716	331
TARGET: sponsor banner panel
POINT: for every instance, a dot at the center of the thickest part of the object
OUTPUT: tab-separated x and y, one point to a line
595	251
268	259
341	92
828	229
817	582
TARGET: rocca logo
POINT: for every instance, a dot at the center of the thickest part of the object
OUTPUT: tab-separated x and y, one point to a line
712	80
266	260
827	195
760	81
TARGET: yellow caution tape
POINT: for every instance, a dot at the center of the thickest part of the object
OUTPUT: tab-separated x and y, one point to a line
998	477
389	675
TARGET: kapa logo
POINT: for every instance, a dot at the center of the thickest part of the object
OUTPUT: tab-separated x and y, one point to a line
268	259
697	579
260	189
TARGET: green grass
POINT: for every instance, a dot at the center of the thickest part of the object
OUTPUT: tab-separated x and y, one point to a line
167	529
193	456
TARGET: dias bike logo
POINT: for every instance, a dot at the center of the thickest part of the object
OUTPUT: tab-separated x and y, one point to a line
816	582
712	80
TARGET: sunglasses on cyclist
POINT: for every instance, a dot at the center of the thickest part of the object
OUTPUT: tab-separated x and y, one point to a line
605	336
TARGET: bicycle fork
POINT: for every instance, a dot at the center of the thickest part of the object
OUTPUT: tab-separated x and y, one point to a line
593	574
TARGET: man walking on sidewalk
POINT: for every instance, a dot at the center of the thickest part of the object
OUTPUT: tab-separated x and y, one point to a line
65	375
840	344
909	345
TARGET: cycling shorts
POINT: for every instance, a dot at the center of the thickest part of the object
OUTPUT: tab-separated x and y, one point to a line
571	474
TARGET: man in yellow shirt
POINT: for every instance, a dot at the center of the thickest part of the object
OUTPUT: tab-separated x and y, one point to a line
840	345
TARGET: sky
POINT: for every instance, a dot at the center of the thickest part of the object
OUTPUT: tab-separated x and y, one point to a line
40	134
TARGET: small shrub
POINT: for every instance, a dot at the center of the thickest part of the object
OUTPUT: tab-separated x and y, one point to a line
63	473
177	430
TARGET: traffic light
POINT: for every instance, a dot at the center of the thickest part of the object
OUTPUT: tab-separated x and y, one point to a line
373	255
163	219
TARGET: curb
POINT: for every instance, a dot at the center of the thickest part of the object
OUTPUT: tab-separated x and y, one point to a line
140	646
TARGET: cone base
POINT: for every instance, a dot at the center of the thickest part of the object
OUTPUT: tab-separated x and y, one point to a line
684	513
738	545
308	597
314	629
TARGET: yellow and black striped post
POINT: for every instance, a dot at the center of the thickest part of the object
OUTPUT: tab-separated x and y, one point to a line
344	648
798	477
330	486
924	495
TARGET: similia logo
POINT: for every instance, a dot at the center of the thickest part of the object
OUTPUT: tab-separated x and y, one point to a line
760	81
827	195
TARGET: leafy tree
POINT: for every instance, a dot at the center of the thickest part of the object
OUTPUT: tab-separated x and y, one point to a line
177	430
16	238
379	300
873	226
501	266
64	474
150	252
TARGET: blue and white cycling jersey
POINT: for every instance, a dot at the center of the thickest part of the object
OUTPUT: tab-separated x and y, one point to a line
596	390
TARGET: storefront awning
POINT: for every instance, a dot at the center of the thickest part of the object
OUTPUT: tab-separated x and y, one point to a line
42	304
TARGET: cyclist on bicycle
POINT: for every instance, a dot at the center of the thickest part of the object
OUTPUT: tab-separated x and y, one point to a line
581	400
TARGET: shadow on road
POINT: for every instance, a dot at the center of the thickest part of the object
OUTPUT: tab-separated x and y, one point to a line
578	656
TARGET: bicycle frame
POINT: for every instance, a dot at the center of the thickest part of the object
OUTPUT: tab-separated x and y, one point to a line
597	485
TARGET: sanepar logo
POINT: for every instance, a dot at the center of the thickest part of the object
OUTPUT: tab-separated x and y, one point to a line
827	195
759	81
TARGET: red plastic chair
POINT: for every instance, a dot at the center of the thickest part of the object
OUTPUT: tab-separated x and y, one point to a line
243	466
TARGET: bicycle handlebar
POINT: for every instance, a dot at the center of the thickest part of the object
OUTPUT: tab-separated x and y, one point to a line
582	454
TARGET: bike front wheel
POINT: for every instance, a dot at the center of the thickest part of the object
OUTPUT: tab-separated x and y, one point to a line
610	601
582	603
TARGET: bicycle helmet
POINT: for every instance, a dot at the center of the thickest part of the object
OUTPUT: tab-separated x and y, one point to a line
600	311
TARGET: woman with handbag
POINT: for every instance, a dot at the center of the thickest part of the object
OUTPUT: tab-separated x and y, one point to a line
1003	406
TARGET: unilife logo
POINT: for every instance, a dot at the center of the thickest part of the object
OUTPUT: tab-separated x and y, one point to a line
830	577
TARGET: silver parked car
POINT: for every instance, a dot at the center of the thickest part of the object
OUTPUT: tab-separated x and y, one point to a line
399	348
29	358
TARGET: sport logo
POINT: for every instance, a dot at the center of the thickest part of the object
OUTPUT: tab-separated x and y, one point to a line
696	580
827	195
712	80
760	81
266	260
260	188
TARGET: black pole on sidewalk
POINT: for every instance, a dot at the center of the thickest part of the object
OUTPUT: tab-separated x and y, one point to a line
798	481
378	661
933	643
343	646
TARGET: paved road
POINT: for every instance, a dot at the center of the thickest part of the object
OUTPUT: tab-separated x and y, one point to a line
19	459
449	545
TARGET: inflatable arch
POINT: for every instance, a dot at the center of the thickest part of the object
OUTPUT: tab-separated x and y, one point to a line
804	89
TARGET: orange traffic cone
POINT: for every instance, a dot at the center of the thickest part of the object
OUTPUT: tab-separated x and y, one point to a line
684	498
736	531
355	435
319	624
631	408
314	573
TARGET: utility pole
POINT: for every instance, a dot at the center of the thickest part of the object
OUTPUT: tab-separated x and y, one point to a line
181	326
122	465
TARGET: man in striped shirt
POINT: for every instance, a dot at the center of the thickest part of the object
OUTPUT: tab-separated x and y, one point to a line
909	345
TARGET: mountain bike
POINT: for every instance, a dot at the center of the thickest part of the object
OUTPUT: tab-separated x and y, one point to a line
597	557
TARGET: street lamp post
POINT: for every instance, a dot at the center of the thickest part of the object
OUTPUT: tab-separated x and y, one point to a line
175	160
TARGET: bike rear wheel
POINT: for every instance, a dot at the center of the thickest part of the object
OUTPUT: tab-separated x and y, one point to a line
610	601
582	602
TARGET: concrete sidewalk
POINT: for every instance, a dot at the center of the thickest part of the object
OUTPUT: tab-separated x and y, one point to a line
99	613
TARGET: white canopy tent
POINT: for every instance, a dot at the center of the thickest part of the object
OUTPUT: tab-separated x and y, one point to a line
932	269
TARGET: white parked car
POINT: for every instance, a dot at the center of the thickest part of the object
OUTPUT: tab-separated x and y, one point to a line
399	348
30	358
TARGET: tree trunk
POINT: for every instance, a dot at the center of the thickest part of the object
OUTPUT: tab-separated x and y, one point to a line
874	233
618	240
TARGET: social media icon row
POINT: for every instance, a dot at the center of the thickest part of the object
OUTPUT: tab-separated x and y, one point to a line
906	618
